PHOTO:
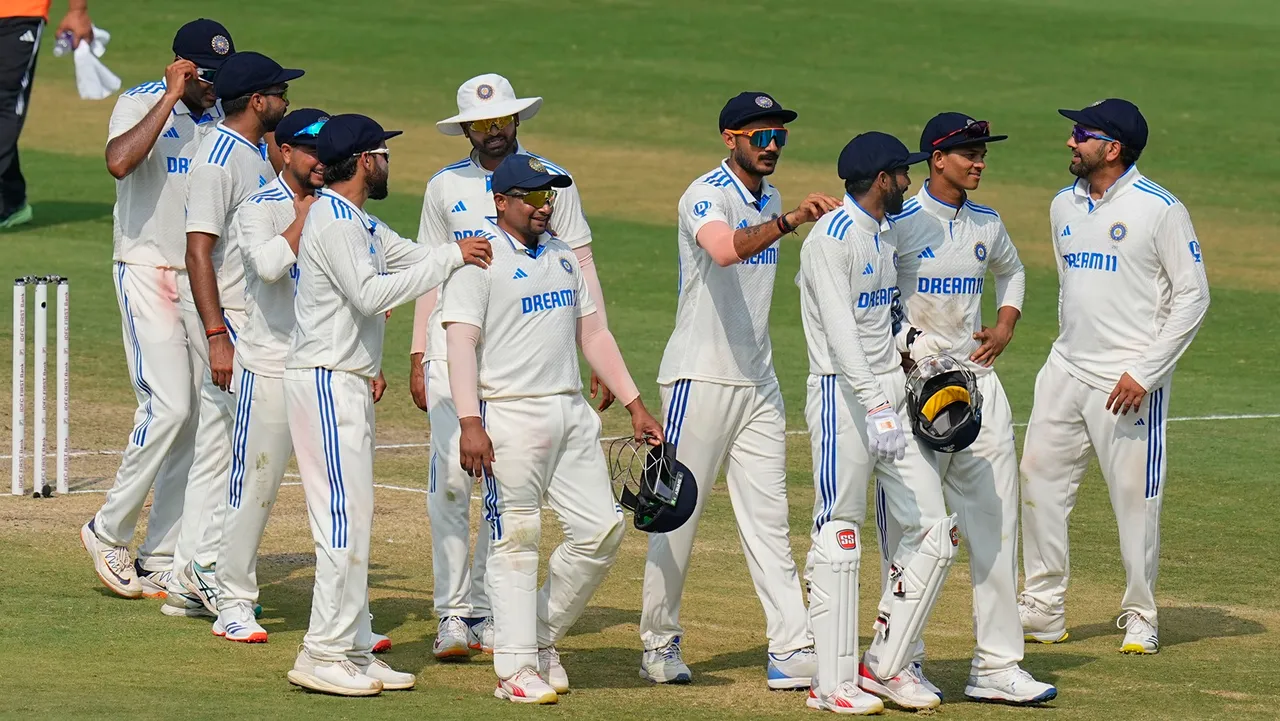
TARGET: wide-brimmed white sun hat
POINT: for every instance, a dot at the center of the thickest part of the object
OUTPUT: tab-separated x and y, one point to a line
488	96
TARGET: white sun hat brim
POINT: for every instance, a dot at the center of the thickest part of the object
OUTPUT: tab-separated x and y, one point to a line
523	108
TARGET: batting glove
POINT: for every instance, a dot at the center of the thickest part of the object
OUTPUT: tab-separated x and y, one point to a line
884	434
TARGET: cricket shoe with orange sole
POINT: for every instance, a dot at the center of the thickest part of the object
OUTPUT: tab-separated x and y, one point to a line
237	624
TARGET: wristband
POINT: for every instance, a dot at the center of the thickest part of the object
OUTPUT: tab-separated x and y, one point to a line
220	330
784	226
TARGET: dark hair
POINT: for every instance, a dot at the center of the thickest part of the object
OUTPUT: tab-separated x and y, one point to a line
1128	155
235	106
859	187
344	169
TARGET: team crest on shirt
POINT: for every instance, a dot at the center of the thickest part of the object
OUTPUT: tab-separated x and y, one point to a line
564	263
484	92
895	259
764	101
980	250
701	207
221	45
1118	232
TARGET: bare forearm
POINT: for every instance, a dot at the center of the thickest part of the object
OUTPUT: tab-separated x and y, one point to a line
1008	317
77	6
204	281
127	151
747	242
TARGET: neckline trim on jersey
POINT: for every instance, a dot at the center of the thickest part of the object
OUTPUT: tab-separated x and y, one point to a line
766	189
863	219
516	245
1081	189
236	136
369	223
287	190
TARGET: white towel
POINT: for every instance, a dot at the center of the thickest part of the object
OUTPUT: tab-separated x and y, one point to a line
93	79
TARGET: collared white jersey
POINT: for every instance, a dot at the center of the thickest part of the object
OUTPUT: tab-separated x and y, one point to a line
270	279
722	315
944	253
526	305
1132	284
847	280
459	200
352	269
149	225
227	169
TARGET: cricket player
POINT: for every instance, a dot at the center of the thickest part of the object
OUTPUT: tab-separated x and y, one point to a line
946	245
513	333
856	403
1132	295
230	165
721	394
153	135
352	269
458	200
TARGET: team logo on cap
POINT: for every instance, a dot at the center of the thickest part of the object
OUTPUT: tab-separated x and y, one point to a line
764	101
221	45
980	250
564	263
1118	232
484	92
1096	103
536	166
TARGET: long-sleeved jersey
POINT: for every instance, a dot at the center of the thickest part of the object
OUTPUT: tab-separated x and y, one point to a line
270	279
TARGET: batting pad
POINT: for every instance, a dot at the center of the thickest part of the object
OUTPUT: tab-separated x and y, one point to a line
913	590
833	604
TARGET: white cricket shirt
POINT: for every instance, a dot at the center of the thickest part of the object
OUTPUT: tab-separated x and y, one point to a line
149	225
847	280
526	305
270	279
722	315
944	253
352	269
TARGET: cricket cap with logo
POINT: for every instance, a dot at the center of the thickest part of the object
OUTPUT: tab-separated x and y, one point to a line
485	97
747	106
344	136
526	172
204	42
869	154
1117	118
301	127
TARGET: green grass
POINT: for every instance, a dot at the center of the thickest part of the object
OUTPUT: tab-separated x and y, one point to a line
632	88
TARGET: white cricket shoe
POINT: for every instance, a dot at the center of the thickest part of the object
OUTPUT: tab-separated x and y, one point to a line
904	690
1013	686
237	624
1139	634
392	680
340	678
113	564
792	670
381	644
451	640
199	582
526	686
178	602
480	636
918	670
155	584
665	665
1039	624
549	668
846	699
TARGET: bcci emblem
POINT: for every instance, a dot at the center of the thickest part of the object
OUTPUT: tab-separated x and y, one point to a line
484	92
1118	232
895	259
221	45
564	263
980	251
764	101
536	166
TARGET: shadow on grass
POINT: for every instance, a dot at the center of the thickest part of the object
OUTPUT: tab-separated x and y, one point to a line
951	674
60	212
1181	624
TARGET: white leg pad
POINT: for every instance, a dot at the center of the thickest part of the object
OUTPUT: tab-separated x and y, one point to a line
833	604
911	593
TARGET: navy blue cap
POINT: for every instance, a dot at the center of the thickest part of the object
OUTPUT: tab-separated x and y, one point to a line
249	72
745	107
204	42
946	131
869	154
301	127
346	135
525	171
1117	118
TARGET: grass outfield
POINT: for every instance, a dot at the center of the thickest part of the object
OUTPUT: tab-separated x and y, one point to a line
632	89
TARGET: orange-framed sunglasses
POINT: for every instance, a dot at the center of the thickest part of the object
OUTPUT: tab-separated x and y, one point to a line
761	137
490	124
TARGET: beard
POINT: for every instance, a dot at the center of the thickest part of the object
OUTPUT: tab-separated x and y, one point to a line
894	200
377	185
1086	165
743	159
271	120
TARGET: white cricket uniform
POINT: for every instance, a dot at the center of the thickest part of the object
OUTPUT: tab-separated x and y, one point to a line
944	254
722	402
227	169
149	253
457	204
260	442
1132	294
546	441
352	269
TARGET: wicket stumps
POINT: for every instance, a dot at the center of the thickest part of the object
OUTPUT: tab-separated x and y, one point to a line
40	409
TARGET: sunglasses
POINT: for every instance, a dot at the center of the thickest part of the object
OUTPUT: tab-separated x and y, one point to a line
976	130
761	137
206	75
490	124
311	130
376	151
282	93
1080	135
535	198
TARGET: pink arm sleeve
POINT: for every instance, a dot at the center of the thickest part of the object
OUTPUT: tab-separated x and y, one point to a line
421	313
588	266
716	237
602	354
461	340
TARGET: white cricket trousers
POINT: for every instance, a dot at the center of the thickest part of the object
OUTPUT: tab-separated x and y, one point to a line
1070	423
545	447
459	580
260	450
331	423
710	423
160	446
980	485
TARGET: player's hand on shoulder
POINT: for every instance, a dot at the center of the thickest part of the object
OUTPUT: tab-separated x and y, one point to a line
475	448
476	251
177	75
302	204
811	208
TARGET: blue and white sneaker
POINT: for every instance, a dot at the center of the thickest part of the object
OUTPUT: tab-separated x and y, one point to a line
237	624
665	664
179	602
792	670
918	671
155	584
199	582
1012	686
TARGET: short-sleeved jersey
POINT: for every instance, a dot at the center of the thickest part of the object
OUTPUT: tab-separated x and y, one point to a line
722	315
847	279
270	278
149	225
459	200
1132	284
944	253
227	169
352	269
527	305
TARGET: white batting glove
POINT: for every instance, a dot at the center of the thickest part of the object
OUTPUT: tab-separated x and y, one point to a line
884	434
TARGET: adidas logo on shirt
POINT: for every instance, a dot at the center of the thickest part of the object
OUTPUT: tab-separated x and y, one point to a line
926	253
1066	231
519	274
868	270
172	133
458	207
